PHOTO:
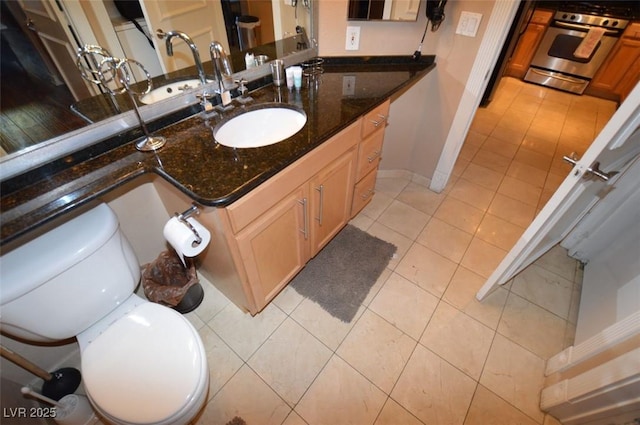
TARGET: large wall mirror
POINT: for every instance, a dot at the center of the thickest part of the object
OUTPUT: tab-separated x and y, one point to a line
383	10
29	148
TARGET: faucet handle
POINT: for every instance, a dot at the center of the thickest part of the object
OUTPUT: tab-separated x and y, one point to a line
242	89
244	97
160	34
204	96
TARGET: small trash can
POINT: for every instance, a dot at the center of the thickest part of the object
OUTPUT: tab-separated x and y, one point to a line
166	281
246	26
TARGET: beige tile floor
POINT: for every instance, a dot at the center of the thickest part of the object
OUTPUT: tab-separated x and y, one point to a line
421	349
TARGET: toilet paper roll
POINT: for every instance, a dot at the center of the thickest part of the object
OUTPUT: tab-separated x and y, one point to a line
182	238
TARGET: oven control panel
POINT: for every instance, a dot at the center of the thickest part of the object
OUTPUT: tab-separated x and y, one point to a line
591	20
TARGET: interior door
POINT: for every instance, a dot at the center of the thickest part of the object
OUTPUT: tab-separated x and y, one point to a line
47	19
404	10
202	20
613	150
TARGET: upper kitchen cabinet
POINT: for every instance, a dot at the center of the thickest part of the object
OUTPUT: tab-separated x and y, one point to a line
528	43
621	70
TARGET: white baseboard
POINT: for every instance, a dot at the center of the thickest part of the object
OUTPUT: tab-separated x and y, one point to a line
404	174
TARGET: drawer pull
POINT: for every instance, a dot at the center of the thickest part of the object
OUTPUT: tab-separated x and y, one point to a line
373	157
305	219
367	194
320	190
382	120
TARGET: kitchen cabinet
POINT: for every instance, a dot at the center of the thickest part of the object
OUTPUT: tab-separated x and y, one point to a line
528	43
621	70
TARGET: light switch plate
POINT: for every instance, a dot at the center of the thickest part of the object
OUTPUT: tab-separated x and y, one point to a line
353	38
469	24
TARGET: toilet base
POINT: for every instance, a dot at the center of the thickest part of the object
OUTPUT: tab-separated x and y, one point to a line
191	300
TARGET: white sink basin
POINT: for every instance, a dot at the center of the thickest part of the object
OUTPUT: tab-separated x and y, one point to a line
168	90
261	126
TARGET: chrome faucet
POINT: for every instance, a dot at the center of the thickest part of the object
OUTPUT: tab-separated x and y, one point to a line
194	50
221	64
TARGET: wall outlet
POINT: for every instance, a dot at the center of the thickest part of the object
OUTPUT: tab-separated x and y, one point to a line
348	85
353	38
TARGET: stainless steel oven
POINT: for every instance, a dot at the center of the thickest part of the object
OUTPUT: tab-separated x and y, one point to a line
555	63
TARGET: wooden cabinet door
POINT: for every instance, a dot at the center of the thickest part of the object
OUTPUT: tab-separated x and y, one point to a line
275	246
618	66
630	80
331	192
525	49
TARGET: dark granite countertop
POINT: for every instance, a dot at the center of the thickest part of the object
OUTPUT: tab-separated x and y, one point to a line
209	173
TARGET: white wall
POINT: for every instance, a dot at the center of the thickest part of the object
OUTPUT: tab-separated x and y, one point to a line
422	116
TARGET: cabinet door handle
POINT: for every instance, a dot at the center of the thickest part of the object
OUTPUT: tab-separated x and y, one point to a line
373	157
320	190
367	194
382	120
305	218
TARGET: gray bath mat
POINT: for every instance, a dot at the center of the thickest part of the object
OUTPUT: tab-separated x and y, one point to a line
341	275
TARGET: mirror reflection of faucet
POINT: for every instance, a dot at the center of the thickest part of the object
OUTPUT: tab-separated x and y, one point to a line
222	67
194	51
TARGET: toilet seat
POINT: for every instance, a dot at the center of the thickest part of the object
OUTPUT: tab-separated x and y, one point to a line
149	366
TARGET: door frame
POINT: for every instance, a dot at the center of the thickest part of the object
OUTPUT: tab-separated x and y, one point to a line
495	36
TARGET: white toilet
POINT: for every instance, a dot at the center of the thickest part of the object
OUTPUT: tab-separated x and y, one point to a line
142	363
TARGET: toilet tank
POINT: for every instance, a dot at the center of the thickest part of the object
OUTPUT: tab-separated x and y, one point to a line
63	281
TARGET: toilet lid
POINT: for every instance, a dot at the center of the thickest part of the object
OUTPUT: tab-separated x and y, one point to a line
145	367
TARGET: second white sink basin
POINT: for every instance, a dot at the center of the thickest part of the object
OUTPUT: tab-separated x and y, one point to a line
262	125
168	90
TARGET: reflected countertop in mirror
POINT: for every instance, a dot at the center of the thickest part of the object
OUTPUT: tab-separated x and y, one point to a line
209	173
101	107
58	140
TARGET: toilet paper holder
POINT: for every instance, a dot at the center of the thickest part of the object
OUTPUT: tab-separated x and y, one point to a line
182	218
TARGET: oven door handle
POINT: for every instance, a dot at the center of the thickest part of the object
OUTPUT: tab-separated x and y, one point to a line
582	27
558	77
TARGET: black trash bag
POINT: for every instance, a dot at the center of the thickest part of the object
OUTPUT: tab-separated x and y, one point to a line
166	281
132	10
129	9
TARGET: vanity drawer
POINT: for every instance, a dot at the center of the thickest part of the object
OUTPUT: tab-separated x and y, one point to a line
375	119
363	192
369	153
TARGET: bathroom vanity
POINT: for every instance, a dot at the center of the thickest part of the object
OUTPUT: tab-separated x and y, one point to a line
269	209
262	240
